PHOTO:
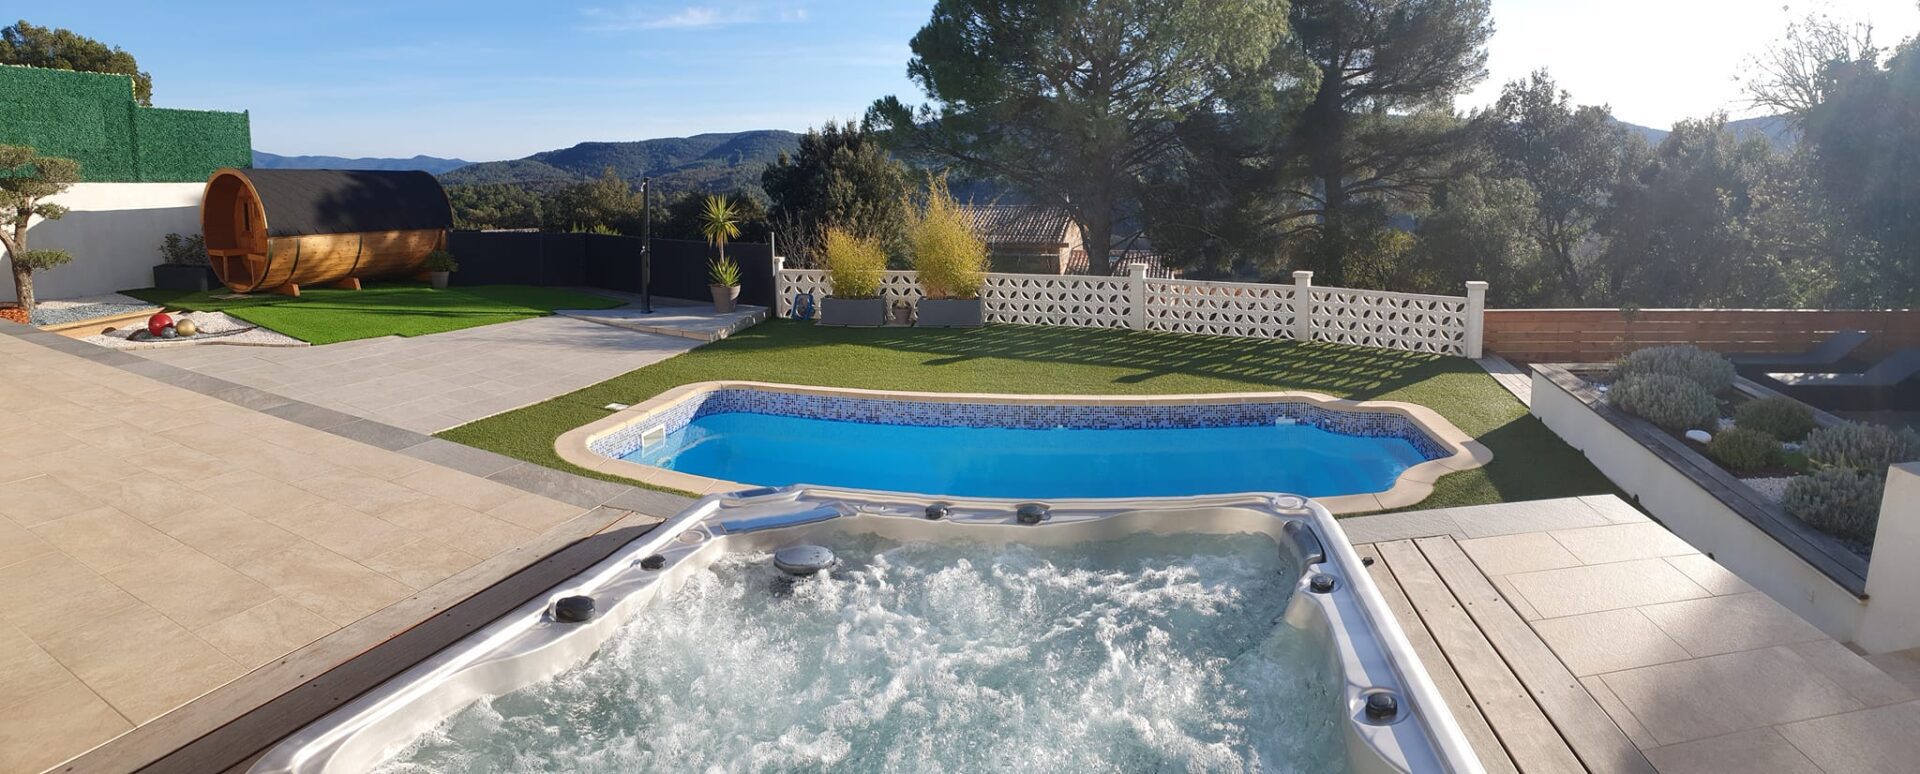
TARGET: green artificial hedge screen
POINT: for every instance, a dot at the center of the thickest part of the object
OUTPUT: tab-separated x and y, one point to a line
92	118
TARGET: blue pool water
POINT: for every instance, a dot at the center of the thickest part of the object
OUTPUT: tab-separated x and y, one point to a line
775	450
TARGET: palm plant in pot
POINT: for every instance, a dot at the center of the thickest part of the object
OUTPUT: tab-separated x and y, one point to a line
439	265
719	222
855	267
951	260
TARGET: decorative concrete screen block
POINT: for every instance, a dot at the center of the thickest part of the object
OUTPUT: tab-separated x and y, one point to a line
1411	322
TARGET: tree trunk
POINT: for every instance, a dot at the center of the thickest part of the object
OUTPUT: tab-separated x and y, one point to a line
1096	238
1326	148
23	286
16	246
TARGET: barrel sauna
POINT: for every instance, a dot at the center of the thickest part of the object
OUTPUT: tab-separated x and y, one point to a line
278	229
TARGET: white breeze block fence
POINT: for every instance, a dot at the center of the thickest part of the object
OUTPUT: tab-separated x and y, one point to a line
1411	322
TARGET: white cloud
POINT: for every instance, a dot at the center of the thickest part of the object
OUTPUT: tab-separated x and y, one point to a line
654	16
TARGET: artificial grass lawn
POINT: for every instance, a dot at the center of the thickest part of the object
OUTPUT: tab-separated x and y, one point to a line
329	315
1530	462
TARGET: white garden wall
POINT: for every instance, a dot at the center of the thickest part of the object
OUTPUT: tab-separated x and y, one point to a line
113	231
1412	322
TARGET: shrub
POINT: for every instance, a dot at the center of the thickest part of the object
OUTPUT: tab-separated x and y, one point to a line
1672	402
951	258
184	250
1779	416
723	272
1741	449
1864	447
1709	370
1838	501
439	260
855	265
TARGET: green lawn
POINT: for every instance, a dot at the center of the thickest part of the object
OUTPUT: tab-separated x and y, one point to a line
1530	462
328	315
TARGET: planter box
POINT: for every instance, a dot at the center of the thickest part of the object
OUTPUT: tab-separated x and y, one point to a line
1810	572
952	313
176	276
853	312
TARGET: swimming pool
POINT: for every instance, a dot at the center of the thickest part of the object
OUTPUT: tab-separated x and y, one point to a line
1202	633
715	436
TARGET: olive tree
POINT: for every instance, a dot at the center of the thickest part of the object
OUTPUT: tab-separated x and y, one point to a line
26	180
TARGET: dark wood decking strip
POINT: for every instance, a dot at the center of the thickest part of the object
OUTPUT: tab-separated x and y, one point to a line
1530	740
1460	703
1585	727
1823	551
232	725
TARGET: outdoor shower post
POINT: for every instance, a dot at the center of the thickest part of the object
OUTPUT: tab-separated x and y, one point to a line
646	245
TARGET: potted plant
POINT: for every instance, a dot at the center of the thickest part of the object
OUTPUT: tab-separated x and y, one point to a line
439	265
951	260
184	264
855	266
719	222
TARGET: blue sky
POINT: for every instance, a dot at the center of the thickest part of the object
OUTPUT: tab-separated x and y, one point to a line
488	80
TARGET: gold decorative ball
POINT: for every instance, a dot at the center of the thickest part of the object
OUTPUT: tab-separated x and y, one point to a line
186	328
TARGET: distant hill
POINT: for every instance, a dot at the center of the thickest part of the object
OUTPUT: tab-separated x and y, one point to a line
1775	128
717	162
433	164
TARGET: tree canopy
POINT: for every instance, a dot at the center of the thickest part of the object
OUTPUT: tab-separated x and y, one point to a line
841	176
63	49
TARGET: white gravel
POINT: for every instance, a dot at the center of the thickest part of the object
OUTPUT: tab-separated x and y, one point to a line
215	328
1774	489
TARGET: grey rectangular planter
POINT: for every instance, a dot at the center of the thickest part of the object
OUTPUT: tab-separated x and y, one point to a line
855	312
952	313
175	276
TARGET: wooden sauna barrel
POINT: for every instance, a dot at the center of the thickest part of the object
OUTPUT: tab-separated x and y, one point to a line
279	229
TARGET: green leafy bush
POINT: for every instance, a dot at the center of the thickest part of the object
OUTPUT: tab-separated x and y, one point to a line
184	250
1741	449
1864	447
1707	369
1672	402
1838	501
855	264
439	260
1779	416
723	272
950	256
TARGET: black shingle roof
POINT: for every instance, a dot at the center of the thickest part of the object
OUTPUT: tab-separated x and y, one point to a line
330	201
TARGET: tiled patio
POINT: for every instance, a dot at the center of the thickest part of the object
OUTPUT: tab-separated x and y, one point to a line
1576	635
156	543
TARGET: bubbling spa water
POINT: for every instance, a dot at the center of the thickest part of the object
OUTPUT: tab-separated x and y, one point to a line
1149	653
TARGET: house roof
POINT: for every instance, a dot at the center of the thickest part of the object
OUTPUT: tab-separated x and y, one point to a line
1156	262
331	201
1022	224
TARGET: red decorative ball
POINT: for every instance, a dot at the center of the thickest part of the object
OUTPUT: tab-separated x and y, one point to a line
158	321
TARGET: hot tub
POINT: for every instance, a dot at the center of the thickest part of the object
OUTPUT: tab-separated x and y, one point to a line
1212	633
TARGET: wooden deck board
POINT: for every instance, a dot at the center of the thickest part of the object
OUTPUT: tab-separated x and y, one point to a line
1530	740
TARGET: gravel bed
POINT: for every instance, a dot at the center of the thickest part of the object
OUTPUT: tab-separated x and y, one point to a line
72	310
1773	489
215	328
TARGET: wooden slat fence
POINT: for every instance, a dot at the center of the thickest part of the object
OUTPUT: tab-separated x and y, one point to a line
1597	335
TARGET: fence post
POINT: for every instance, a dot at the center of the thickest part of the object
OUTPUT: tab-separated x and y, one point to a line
1137	296
1303	306
780	302
1476	317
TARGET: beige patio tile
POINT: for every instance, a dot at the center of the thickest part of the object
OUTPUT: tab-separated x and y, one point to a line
54	725
339	589
370	496
227	534
1759	750
1709	574
41	499
1902	665
254	493
1607	641
1857	675
1884	740
343	530
139	661
1590	589
180	463
465	529
1706	697
1621	542
189	587
34	591
18	543
422	564
1629	725
534	512
460	488
265	632
1525	552
104	538
148	497
1513	599
1715	625
25	668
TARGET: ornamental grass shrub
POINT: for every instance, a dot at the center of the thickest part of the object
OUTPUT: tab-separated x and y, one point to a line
1707	369
950	257
1672	402
1863	447
1741	450
1781	417
1838	501
855	264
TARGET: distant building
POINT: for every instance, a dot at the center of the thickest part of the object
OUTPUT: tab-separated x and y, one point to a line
1026	238
1155	261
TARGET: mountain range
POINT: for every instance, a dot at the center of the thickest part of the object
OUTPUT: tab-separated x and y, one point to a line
716	162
